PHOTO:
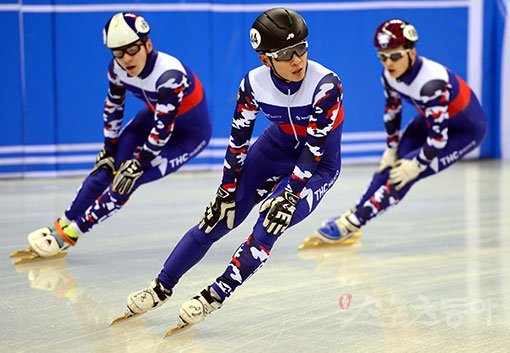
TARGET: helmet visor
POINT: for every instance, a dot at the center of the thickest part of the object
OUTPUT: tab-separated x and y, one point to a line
287	53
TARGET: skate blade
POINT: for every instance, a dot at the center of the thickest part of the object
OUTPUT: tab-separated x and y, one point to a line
28	255
127	315
356	235
181	326
24	252
316	242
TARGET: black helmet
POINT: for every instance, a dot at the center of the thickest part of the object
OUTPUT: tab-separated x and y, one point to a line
276	29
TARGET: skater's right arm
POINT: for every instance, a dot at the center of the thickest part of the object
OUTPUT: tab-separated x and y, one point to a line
392	122
223	204
113	111
243	123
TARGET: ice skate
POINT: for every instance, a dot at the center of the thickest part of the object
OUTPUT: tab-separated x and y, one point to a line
46	243
139	302
181	326
334	232
196	310
28	255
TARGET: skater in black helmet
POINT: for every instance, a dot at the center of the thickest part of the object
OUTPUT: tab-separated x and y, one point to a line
288	169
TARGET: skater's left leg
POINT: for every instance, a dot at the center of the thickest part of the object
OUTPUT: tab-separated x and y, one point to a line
379	195
463	137
177	153
255	251
62	235
91	188
65	231
413	137
195	243
252	187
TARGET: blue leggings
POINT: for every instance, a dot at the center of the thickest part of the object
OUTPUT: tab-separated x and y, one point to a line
465	132
265	173
95	200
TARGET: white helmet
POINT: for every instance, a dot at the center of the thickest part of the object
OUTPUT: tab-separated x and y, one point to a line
124	28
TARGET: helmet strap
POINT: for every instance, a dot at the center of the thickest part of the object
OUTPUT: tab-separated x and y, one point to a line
409	66
276	72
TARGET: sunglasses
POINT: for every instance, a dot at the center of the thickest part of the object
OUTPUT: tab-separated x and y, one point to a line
393	56
131	49
286	54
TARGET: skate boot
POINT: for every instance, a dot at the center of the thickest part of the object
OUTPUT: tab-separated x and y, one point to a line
139	302
197	309
332	219
200	306
47	243
148	298
50	241
336	231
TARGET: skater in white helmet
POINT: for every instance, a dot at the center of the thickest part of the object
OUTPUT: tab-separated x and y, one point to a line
175	123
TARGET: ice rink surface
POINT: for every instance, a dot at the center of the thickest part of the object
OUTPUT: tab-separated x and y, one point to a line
431	275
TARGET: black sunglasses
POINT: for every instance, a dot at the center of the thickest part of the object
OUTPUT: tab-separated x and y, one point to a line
131	49
286	54
393	56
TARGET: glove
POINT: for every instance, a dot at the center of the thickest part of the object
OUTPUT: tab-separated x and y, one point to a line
403	172
388	159
281	209
223	205
128	173
104	160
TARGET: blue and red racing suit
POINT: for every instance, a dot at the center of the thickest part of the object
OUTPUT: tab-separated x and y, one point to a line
299	150
450	124
174	128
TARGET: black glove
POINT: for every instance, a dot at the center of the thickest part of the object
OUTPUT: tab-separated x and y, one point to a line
281	209
223	205
104	160
128	173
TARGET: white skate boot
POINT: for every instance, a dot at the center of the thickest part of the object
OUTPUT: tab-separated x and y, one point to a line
196	309
200	306
335	231
47	243
139	302
148	298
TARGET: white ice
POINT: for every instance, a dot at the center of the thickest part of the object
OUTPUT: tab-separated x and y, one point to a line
431	275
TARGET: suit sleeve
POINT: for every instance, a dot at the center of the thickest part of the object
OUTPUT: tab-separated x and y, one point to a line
113	112
242	129
392	114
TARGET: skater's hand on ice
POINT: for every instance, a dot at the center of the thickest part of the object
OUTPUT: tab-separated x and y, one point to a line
388	159
104	160
403	172
222	206
281	209
128	173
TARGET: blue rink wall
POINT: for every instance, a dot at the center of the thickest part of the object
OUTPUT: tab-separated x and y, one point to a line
54	69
